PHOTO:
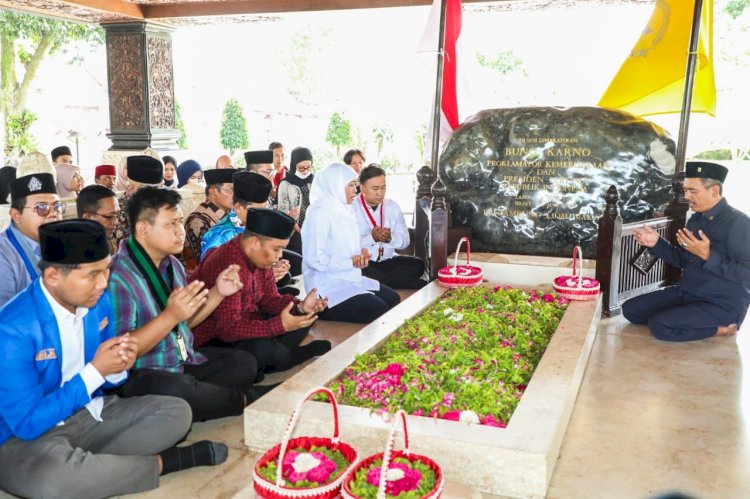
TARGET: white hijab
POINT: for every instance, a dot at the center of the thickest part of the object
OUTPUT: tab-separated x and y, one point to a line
327	195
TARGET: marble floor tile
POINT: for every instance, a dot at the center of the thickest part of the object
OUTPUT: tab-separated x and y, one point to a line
650	417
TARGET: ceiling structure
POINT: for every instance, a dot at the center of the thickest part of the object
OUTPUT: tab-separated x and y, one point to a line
179	11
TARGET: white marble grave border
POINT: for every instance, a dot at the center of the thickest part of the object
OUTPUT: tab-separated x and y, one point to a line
517	461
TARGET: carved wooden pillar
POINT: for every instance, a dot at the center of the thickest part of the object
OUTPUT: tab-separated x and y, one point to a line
438	229
608	247
422	213
141	86
677	211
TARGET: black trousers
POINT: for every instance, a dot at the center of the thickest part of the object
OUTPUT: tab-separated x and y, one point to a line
673	317
363	309
399	272
295	243
295	261
272	354
214	389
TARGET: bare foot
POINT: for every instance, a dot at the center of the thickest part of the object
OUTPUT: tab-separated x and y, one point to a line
729	330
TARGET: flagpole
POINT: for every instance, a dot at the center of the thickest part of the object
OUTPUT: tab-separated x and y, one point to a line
687	97
438	207
434	156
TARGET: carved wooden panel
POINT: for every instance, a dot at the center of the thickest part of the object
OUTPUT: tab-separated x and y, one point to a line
126	81
161	85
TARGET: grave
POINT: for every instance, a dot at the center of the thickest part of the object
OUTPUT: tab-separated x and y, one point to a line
516	461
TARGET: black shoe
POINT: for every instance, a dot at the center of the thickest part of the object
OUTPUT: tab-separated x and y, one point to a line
257	391
288	290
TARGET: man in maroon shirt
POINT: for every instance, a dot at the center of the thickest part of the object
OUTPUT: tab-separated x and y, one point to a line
258	319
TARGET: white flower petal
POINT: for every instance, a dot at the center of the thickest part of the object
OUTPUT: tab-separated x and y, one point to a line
469	417
305	462
394	474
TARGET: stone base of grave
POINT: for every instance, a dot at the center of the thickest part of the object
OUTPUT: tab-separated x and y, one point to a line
516	461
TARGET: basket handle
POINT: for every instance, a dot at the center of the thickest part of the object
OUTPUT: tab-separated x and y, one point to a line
458	249
577	254
293	422
400	417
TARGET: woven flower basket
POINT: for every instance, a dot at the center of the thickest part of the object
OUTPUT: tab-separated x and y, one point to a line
461	276
576	287
280	489
388	456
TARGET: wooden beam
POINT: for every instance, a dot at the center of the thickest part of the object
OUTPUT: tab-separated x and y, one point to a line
235	7
117	7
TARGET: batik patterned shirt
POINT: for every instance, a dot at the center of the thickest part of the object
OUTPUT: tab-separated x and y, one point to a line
205	216
134	306
254	311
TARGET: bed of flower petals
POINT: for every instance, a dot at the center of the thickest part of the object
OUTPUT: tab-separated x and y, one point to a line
468	357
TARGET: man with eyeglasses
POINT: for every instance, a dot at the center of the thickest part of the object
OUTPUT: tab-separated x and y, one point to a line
219	195
34	202
96	202
262	162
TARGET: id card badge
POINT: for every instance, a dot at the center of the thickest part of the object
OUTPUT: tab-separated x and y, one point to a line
181	346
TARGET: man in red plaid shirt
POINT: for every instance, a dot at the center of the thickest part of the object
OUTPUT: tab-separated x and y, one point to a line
258	319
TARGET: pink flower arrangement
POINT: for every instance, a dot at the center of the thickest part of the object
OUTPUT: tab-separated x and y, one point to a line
309	466
400	478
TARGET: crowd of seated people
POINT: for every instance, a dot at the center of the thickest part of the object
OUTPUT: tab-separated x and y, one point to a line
110	348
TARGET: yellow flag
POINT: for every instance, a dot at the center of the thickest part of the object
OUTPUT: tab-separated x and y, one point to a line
652	78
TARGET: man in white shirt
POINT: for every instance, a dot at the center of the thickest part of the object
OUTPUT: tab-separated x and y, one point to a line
59	435
382	231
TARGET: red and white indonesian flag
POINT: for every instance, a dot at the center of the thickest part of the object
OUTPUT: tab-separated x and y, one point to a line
453	82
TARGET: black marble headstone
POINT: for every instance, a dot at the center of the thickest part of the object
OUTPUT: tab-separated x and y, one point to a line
531	180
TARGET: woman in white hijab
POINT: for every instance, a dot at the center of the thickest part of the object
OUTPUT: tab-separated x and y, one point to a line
332	256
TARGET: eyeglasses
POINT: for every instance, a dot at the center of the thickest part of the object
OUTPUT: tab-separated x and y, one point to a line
227	190
108	217
43	209
303	169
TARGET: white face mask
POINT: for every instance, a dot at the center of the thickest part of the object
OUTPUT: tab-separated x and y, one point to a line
303	176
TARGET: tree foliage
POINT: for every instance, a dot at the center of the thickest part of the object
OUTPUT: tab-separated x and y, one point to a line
505	62
383	134
180	125
735	8
233	127
339	132
305	60
18	139
25	40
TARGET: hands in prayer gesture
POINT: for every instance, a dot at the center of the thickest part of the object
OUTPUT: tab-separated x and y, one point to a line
312	304
280	269
115	355
646	236
699	246
362	260
293	322
381	234
184	302
228	282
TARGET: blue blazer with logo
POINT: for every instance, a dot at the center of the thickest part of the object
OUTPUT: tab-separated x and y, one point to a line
31	398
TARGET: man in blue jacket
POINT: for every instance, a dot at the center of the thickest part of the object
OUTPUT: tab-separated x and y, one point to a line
713	252
59	437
